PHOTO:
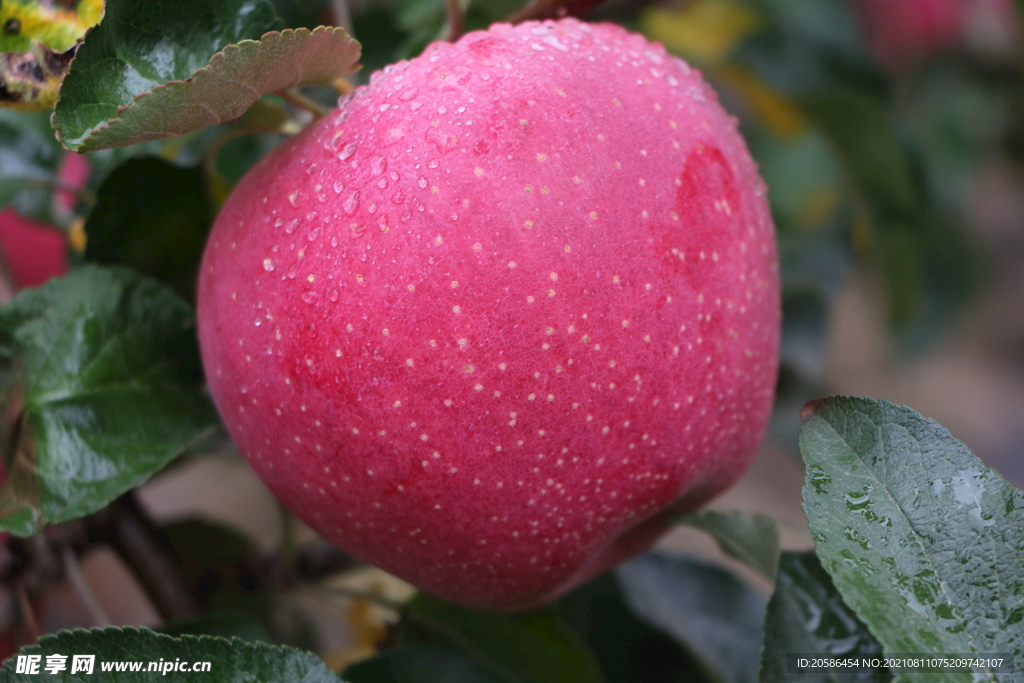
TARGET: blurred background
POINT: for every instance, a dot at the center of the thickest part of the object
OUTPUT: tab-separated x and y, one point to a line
891	136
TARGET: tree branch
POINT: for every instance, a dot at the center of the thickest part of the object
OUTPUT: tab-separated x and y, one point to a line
127	528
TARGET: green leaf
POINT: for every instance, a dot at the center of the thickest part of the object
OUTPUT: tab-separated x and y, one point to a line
426	664
140	46
236	77
923	541
537	645
714	615
100	368
230	661
29	158
628	649
750	537
858	125
806	615
154	217
216	564
223	623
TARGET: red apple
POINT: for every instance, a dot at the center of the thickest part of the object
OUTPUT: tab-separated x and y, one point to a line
490	322
901	33
33	251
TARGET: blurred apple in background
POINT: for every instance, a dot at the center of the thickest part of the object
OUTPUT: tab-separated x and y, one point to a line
902	33
35	252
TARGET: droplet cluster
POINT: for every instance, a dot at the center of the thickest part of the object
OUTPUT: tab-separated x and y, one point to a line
484	324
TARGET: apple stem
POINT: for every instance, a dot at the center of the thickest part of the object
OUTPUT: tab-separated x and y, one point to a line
456	20
294	97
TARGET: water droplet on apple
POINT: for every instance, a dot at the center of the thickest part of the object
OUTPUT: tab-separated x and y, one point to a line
347	151
292	224
351	203
422	182
378	165
310	296
398	197
408	94
382	183
268	264
338	186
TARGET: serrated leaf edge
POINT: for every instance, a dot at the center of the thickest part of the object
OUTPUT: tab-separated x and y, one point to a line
81	144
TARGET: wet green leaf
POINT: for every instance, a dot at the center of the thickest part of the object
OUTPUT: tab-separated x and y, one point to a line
140	46
230	661
100	373
710	612
536	646
806	615
628	649
749	537
923	541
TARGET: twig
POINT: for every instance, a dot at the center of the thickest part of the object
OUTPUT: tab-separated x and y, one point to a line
296	98
341	16
456	20
81	585
147	551
28	617
551	9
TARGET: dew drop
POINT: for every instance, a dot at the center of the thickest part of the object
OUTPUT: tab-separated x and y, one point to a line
378	165
347	151
422	182
384	107
398	197
268	264
313	235
338	186
278	223
257	322
433	163
292	224
407	94
351	203
310	296
382	183
333	295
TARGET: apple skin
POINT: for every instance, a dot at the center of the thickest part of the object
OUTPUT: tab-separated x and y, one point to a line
491	322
